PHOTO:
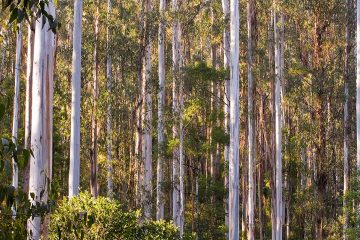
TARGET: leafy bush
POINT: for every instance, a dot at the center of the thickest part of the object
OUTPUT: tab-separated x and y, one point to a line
85	217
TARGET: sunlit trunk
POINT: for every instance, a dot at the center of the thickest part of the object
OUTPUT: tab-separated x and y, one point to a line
74	172
234	123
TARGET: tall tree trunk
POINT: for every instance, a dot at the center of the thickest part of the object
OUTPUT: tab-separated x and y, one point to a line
74	172
226	46
15	123
346	117
29	66
161	103
110	190
251	123
94	120
176	54
37	171
234	122
147	143
278	127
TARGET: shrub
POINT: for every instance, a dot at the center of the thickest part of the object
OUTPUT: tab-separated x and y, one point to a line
84	217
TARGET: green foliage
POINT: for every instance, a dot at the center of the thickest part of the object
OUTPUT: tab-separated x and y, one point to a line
26	9
84	217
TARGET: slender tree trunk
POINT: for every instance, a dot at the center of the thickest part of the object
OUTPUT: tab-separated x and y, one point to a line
110	190
234	123
29	66
15	123
251	124
176	54
94	120
74	172
37	171
358	89
161	103
346	117
226	46
278	127
147	188
272	132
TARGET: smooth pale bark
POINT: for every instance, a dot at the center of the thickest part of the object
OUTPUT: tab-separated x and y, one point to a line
29	66
181	150
37	171
176	54
147	187
278	129
226	46
15	123
94	120
251	123
110	190
234	122
47	105
74	172
346	118
161	103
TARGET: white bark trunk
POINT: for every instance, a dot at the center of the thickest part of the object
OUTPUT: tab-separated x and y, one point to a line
234	123
37	174
74	172
15	124
161	104
110	190
226	45
176	54
29	66
251	123
278	129
147	190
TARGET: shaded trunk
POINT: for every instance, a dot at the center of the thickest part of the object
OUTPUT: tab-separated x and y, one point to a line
161	103
94	119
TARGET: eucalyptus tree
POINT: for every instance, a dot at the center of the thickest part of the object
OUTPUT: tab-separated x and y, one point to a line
177	197
147	115
226	46
234	123
110	190
161	103
278	129
346	117
15	122
37	171
74	171
251	121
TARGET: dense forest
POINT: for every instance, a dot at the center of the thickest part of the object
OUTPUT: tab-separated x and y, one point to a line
181	119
